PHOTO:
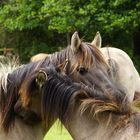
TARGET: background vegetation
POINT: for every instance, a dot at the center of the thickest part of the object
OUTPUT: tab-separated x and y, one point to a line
57	132
33	26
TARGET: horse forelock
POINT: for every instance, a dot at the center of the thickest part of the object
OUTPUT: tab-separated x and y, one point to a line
99	59
87	56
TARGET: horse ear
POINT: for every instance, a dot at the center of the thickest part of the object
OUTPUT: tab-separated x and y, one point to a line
97	40
62	67
75	42
41	78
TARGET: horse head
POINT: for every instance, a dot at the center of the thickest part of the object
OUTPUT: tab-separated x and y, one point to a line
84	58
28	104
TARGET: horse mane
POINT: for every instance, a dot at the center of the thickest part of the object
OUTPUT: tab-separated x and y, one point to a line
56	98
98	56
99	99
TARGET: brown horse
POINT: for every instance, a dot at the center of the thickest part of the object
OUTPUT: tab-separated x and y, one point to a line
98	112
10	84
13	127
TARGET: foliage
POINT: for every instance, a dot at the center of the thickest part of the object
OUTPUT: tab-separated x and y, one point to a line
68	15
117	20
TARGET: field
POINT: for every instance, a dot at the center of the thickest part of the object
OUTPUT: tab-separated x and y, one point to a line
57	133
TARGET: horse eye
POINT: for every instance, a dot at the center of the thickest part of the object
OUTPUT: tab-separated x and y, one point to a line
82	70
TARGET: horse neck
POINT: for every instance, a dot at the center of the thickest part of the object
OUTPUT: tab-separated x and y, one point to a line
81	127
86	127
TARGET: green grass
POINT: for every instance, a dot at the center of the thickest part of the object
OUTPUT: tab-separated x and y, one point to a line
57	133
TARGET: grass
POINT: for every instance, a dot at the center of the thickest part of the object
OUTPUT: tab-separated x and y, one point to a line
57	133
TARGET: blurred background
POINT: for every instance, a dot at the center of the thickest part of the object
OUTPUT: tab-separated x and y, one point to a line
33	26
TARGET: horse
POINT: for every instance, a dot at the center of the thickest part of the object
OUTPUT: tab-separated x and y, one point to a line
99	112
119	65
79	70
10	84
38	57
12	88
13	127
27	85
83	57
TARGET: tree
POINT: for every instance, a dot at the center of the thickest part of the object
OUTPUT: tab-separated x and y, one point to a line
117	20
